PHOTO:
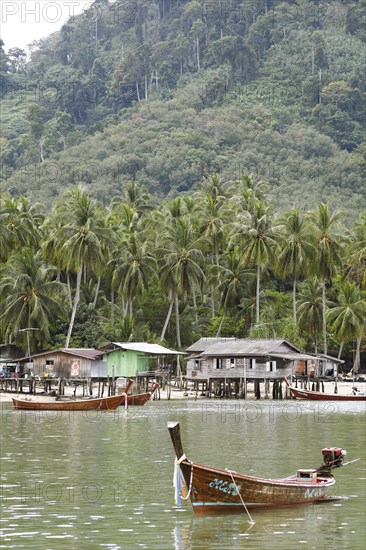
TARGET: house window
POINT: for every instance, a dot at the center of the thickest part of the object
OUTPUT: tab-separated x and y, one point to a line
218	363
271	366
252	363
197	365
50	362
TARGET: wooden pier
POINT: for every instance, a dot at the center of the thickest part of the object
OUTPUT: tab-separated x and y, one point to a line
56	386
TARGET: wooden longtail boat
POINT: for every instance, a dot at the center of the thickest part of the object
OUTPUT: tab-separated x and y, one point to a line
140	398
212	490
88	404
321	396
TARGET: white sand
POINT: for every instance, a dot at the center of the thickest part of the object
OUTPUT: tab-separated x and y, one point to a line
344	388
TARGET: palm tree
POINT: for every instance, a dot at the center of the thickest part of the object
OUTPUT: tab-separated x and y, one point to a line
328	252
31	298
259	242
134	269
210	214
296	251
348	317
357	251
249	193
82	238
180	254
232	279
310	308
19	225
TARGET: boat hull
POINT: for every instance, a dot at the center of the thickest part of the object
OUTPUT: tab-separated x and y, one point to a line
321	396
140	398
95	404
103	404
215	490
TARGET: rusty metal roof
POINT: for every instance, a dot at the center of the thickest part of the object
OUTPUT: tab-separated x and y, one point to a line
86	353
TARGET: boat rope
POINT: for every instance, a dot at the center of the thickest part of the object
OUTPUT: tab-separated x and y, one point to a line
251	520
177	480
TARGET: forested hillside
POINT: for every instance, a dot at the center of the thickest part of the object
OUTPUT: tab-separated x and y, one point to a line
164	92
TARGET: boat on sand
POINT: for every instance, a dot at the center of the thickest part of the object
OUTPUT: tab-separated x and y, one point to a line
322	396
109	403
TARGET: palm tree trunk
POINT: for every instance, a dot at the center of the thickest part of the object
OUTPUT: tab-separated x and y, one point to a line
112	306
257	296
69	288
340	350
96	293
177	321
162	336
220	326
76	301
357	360
324	320
194	302
294	299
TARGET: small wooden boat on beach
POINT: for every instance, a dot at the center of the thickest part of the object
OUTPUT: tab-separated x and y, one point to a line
140	398
69	404
322	396
213	490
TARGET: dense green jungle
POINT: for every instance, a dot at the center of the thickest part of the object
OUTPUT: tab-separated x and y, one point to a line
174	169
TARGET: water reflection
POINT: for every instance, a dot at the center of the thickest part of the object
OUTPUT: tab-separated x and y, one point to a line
105	480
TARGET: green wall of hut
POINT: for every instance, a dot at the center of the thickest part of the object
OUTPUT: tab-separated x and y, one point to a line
126	363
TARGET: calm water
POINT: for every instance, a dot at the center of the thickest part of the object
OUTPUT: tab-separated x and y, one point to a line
104	480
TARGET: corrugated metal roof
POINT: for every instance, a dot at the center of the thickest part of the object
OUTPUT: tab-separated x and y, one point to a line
204	343
334	359
247	346
152	349
294	356
86	353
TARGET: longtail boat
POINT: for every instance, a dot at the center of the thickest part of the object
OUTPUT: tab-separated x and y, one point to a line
68	404
212	490
140	398
322	396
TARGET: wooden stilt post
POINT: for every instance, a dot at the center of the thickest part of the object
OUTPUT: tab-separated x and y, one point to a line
266	388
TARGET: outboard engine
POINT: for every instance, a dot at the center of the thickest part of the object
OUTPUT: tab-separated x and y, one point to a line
333	458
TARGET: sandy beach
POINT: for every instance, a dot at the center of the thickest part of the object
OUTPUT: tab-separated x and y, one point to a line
344	388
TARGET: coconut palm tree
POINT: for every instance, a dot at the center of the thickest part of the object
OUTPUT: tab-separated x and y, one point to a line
19	224
309	308
297	250
81	237
180	254
210	217
357	251
328	252
135	196
232	279
134	268
258	239
348	317
31	298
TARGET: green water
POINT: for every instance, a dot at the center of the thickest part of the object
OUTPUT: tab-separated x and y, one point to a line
104	480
